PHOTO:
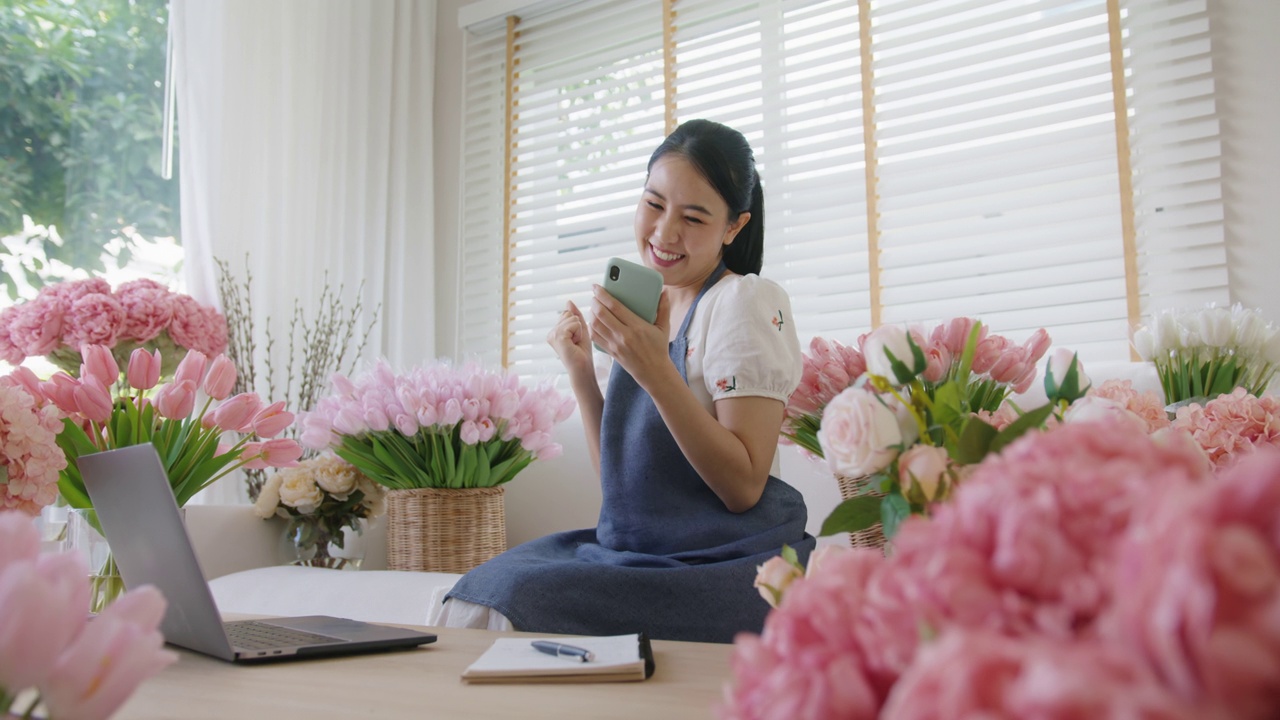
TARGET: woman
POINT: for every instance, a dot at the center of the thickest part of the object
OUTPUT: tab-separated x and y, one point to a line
686	434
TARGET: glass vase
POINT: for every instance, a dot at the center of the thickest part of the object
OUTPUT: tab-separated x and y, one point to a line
310	541
84	535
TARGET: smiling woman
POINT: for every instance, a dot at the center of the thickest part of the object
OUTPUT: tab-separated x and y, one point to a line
685	436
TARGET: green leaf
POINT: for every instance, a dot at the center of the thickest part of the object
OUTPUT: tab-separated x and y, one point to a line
974	442
482	467
966	356
947	408
466	467
893	511
1224	381
852	515
789	554
1016	429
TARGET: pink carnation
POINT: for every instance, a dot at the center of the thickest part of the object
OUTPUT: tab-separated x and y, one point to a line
148	310
1198	593
1232	425
1148	406
982	674
93	319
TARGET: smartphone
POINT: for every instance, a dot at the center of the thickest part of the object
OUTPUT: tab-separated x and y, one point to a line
635	286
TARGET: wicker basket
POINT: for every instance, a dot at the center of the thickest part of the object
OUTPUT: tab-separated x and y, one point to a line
444	529
872	537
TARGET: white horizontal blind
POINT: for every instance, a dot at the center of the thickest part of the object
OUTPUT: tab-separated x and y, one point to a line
589	106
998	182
787	75
1173	128
480	213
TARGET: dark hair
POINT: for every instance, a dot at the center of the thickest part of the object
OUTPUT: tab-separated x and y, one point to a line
722	156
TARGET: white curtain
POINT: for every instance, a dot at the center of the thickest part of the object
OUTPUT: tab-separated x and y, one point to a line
305	145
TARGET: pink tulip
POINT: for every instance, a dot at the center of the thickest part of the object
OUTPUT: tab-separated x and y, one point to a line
61	389
253	456
271	420
99	363
41	609
176	400
221	378
109	659
281	452
1037	345
237	413
191	368
144	369
93	400
19	540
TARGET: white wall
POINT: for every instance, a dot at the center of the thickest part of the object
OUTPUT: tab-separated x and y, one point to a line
561	494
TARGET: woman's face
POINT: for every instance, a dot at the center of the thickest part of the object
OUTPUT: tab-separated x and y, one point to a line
682	223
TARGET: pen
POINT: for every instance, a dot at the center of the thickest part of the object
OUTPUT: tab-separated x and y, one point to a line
561	650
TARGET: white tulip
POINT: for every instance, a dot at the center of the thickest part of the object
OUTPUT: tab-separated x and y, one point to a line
1144	341
1214	327
1168	335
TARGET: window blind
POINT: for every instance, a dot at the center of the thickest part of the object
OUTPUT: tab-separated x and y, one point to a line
996	173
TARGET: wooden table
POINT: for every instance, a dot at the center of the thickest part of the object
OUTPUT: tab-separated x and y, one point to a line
425	683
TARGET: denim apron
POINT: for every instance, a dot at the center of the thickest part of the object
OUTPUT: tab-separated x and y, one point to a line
667	558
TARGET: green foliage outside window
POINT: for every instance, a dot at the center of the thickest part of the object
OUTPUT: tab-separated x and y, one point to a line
81	98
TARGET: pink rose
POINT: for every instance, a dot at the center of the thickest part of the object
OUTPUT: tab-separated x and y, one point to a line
861	433
773	577
1147	406
924	468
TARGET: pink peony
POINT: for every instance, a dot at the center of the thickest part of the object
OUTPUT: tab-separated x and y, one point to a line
1198	593
985	675
196	327
1233	425
93	319
9	352
36	329
148	310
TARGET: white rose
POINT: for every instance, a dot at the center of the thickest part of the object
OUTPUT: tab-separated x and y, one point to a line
268	497
1060	364
299	491
887	337
860	434
336	479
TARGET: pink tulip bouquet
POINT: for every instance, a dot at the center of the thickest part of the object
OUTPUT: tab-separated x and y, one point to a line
104	410
138	314
1091	571
905	413
49	653
437	426
30	459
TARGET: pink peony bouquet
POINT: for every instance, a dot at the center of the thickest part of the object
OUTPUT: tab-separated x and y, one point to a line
103	411
77	669
437	425
138	314
30	458
1092	571
904	414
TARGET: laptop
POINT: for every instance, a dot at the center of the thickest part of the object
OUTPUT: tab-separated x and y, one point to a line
140	519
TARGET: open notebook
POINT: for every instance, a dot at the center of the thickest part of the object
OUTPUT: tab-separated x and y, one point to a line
515	660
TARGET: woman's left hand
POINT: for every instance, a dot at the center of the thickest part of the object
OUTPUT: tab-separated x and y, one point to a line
641	347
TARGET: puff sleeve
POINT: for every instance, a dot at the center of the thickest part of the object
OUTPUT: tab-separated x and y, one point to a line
752	349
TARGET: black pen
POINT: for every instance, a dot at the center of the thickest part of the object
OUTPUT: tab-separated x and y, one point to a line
562	650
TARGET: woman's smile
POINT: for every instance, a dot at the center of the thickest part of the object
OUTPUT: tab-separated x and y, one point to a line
664	258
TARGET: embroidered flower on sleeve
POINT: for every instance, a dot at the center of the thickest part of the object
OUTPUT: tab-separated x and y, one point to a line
688	353
727	384
778	321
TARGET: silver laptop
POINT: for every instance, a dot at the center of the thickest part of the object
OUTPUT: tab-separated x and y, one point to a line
149	542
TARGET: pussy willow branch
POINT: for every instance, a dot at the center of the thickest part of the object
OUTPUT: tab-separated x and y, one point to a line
316	349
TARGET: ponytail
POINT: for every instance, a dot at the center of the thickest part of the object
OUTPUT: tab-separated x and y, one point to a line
745	255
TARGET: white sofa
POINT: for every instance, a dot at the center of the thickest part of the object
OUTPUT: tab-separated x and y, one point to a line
241	556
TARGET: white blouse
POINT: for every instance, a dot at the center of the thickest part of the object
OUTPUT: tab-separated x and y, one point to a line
743	342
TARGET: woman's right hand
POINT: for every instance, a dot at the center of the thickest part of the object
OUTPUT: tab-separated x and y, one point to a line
571	340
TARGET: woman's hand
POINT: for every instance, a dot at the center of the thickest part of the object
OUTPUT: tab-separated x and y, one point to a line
639	346
571	341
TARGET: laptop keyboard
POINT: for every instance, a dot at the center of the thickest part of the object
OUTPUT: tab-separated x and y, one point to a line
253	635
